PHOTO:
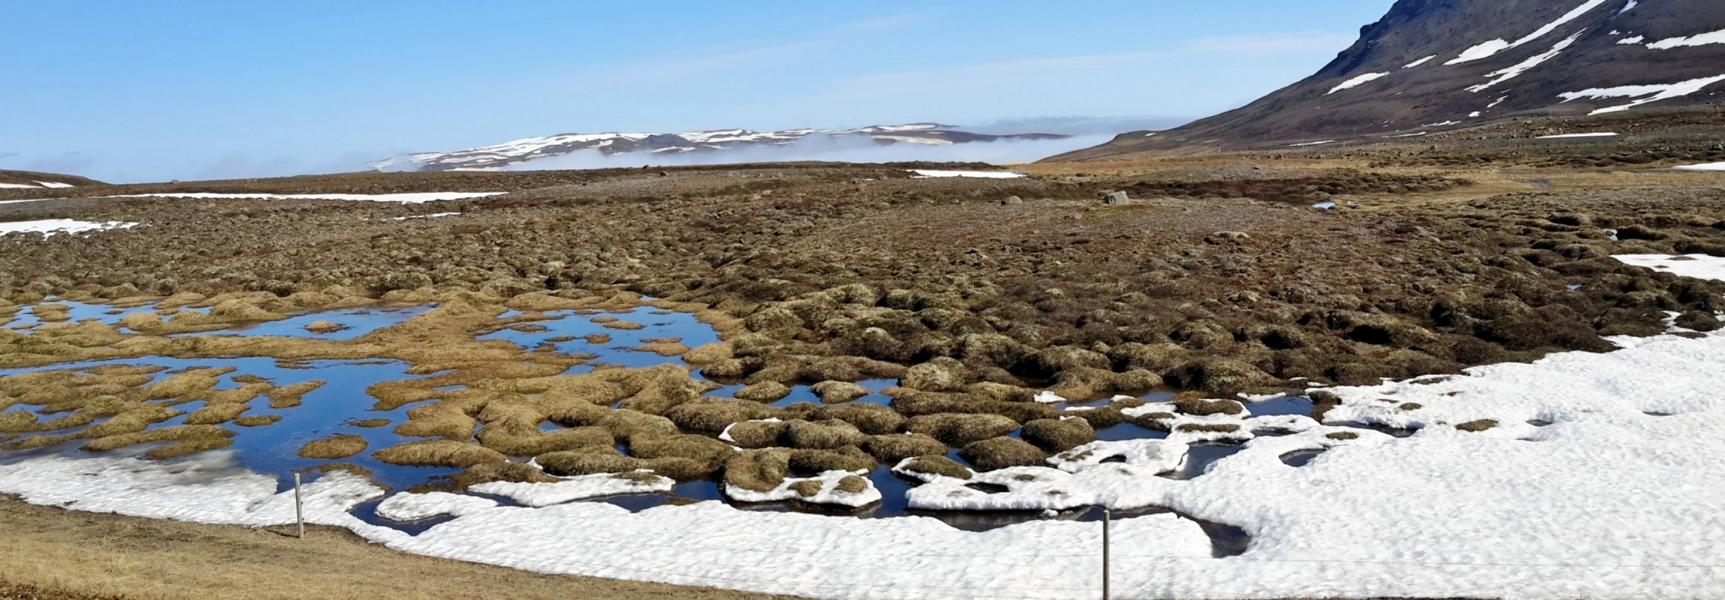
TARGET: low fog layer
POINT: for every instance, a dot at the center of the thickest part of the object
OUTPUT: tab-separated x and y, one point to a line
826	149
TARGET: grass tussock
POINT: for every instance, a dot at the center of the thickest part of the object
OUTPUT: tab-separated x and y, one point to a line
709	354
1477	425
1198	406
892	448
709	452
631	426
838	392
589	461
257	420
823	435
439	453
961	429
663	346
758	470
872	419
438	420
516	441
370	423
914	403
186	383
711	416
324	327
1059	435
764	392
216	414
758	434
1208	428
181	440
334	447
848	458
621	324
937	464
1002	452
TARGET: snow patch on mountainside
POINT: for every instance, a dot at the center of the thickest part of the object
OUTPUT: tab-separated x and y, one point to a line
1516	70
1644	94
1716	37
1492	48
1357	81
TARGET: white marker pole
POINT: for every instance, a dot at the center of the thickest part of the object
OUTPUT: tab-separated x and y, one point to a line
1107	515
298	507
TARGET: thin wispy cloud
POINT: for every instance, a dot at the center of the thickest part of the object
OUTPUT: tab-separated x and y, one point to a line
722	61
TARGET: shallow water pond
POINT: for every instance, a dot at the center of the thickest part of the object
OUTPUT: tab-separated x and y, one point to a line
350	323
586	333
78	312
608	337
274	449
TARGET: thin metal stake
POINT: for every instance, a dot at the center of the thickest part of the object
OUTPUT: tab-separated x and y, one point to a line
299	508
1107	515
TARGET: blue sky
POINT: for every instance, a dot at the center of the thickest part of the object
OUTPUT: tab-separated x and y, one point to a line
130	91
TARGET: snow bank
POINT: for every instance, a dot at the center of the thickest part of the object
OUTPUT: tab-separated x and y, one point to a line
1357	82
932	173
53	226
17	186
1718	166
54	184
413	198
575	488
1317	143
1566	136
426	216
1699	266
408	507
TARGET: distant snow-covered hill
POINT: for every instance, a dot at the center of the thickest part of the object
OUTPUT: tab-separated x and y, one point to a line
522	151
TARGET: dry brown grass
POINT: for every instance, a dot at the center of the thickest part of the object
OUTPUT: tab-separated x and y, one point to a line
439	453
872	419
824	435
663	346
961	429
758	470
890	449
333	447
764	392
936	464
289	396
65	555
182	440
708	354
758	434
1002	452
1059	435
1477	426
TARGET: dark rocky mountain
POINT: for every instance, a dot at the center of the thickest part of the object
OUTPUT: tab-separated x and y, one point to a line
523	151
1431	65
